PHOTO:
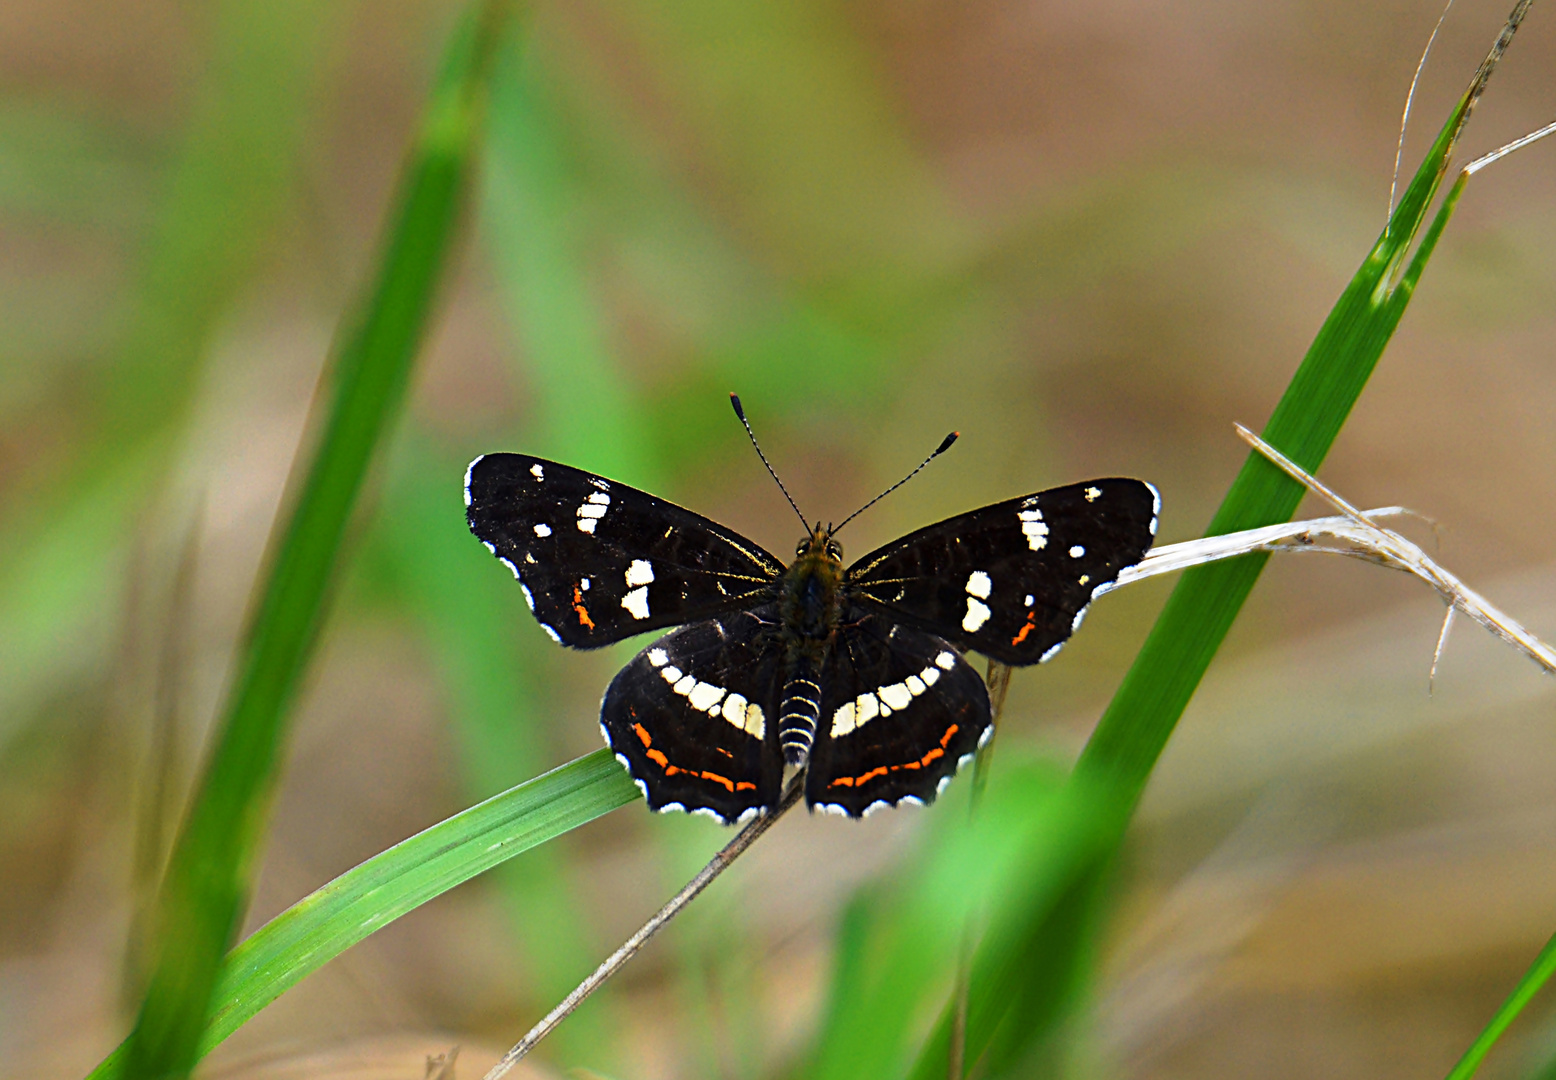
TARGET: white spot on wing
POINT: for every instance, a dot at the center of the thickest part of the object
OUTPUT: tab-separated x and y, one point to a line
977	615
1033	527
687	684
556	637
896	695
584	584
672	674
529	597
755	721
843	720
915	685
600	482
592	509
1077	551
1093	494
658	657
979	585
1053	651
542	529
639	573
867	709
537	472
1079	615
945	661
735	710
636	601
705	697
930	676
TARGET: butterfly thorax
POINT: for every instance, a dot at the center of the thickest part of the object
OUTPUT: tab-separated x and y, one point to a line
810	592
810	603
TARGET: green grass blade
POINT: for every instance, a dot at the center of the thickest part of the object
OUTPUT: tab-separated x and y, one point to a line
1134	729
369	896
486	646
1537	976
208	875
1026	991
1027	960
1031	842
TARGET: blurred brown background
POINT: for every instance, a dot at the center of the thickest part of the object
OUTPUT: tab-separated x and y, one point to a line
1088	236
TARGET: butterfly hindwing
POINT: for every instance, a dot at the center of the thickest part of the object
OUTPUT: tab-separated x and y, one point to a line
600	561
693	717
900	711
1012	580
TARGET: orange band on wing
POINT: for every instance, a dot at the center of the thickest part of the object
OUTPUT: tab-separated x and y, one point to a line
658	758
934	753
578	606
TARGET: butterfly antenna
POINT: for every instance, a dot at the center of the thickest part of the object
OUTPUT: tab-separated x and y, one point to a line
734	399
945	444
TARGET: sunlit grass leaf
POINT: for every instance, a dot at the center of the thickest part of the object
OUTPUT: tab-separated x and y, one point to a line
368	897
1129	738
1006	869
478	631
208	876
1023	982
1534	979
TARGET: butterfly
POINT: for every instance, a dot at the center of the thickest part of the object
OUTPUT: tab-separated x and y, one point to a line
858	674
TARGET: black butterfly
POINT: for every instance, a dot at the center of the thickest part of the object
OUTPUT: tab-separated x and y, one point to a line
857	674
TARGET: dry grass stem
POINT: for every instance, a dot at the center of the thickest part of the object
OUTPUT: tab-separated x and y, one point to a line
629	948
1355	533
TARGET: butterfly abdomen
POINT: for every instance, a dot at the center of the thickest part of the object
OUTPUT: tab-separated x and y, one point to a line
798	712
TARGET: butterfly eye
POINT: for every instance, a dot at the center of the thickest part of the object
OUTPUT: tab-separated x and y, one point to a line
834	549
799	549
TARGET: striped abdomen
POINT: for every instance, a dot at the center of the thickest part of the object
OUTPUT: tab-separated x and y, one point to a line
797	713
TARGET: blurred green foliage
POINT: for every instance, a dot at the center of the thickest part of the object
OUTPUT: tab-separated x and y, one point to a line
811	259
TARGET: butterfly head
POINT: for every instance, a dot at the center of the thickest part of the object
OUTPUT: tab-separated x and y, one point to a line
819	547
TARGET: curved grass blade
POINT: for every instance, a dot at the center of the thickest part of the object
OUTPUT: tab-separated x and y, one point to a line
1130	737
208	876
1537	976
369	896
1031	842
1025	981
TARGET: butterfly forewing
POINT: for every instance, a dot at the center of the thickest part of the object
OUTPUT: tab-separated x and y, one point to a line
1012	580
900	711
600	561
693	716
